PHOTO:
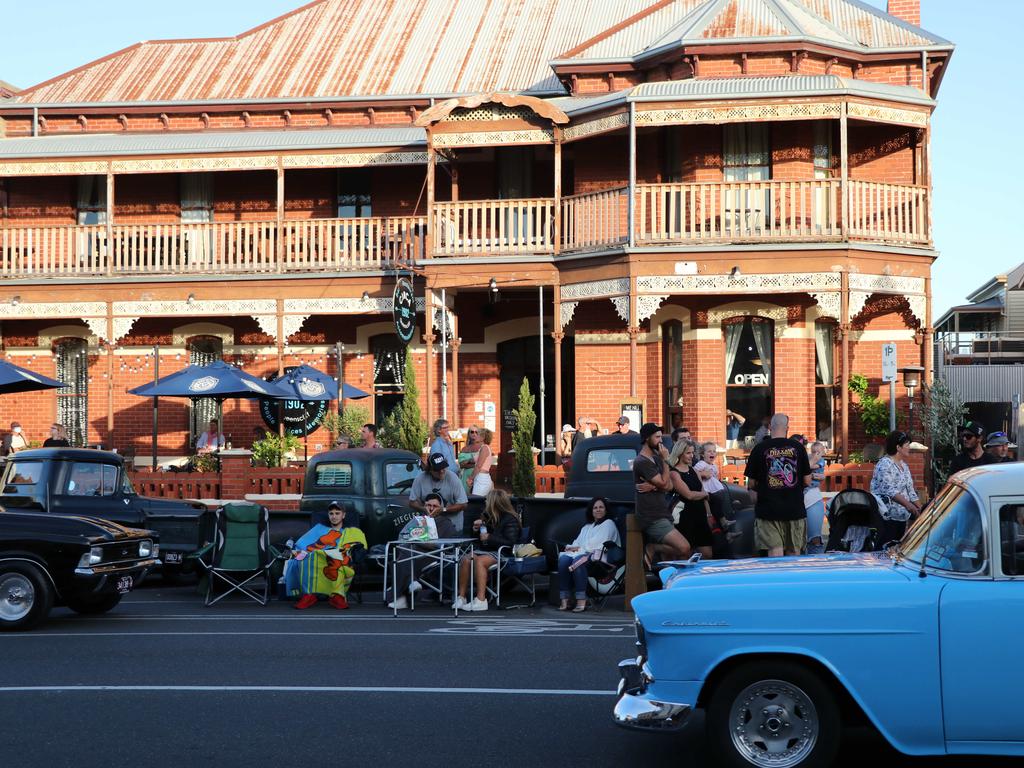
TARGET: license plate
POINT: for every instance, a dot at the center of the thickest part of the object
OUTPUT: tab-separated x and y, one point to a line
172	557
125	584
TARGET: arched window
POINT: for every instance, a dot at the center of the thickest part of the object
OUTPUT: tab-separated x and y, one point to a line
72	362
749	353
672	371
203	350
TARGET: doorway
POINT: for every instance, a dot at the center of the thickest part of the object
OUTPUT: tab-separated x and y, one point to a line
517	359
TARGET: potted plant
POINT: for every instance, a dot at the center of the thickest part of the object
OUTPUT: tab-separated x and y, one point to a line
348	423
524	477
873	413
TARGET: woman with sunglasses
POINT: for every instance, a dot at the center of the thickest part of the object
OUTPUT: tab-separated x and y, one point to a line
468	456
893	482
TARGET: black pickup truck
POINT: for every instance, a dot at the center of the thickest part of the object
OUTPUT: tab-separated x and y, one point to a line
83	563
77	481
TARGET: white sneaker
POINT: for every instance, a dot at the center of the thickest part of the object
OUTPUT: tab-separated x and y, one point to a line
414	586
477	605
401	603
461	604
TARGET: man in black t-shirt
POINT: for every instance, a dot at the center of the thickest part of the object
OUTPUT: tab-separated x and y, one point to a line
777	472
972	454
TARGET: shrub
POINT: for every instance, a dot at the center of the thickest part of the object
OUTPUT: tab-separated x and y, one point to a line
404	427
271	450
524	481
873	412
348	423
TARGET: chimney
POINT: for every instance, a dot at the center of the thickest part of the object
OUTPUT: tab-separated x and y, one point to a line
907	10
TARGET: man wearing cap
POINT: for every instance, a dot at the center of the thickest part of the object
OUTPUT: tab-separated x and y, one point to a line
441	480
972	454
622	426
997	445
652	481
587	428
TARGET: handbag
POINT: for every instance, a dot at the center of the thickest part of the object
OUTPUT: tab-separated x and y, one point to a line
529	549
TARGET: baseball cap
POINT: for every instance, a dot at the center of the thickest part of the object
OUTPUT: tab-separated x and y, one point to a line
437	461
568	428
622	420
648	429
974	428
997	438
335	505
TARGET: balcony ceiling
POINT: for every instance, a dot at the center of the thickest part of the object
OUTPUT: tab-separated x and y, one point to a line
108	144
334	49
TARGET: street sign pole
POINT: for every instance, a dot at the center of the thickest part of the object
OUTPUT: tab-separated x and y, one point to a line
889	375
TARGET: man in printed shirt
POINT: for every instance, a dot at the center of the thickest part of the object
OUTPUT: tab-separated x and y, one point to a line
777	472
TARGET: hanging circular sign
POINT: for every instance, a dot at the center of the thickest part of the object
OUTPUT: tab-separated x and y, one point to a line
301	417
404	310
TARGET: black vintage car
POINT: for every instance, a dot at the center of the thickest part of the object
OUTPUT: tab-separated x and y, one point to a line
77	481
84	563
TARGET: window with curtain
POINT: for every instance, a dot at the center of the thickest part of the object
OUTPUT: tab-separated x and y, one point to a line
824	379
388	374
746	156
72	362
92	200
823	202
203	350
749	351
196	197
672	370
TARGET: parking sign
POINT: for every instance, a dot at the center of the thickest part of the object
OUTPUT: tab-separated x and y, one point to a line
888	362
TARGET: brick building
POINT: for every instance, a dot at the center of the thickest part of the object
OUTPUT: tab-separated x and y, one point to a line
714	203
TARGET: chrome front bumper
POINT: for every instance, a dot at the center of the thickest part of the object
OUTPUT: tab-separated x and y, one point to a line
636	711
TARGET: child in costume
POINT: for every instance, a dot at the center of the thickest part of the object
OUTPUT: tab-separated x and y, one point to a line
321	561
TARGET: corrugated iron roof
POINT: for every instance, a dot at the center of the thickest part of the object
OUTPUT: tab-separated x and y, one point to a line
844	23
353	47
112	144
343	48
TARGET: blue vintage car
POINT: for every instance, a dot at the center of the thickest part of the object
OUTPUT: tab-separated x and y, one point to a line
923	642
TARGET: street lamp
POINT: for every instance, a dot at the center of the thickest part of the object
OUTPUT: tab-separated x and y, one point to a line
911	380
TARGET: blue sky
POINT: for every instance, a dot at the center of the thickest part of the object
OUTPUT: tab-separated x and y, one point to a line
980	104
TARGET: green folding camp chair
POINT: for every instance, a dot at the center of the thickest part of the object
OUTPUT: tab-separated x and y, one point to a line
240	552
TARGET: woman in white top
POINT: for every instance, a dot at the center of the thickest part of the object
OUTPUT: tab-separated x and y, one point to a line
587	546
211	440
480	482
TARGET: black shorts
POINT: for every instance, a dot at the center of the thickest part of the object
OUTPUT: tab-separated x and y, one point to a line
693	524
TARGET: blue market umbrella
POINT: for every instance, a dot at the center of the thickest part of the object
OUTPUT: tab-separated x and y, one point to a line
307	384
217	380
14	379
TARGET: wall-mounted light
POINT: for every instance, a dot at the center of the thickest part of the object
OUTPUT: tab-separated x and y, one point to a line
493	296
366	296
735	272
493	285
15	301
191	299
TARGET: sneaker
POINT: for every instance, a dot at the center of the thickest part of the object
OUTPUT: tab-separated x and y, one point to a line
477	605
461	604
400	604
414	586
339	602
306	601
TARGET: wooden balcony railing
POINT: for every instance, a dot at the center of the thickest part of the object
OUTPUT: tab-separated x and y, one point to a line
889	212
595	219
521	226
215	247
731	211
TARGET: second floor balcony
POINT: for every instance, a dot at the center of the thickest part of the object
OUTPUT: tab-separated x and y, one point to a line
666	214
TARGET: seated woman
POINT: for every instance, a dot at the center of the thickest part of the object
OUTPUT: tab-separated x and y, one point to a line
587	546
321	562
499	527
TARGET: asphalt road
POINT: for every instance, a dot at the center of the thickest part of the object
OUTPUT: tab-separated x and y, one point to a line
163	681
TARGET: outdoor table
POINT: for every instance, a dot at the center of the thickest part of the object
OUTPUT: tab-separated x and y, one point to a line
441	551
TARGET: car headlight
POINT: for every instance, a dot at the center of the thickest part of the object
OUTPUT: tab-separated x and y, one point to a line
93	557
145	548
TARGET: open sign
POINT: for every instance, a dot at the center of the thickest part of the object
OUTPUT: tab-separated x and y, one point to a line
750	379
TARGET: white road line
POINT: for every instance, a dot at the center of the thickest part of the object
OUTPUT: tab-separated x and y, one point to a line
295	689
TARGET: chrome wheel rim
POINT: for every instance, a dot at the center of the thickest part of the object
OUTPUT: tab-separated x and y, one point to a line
773	724
17	596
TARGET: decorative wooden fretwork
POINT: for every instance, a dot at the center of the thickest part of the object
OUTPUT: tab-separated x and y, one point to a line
739	114
592	127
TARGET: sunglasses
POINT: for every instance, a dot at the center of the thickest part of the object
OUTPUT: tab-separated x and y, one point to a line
473	432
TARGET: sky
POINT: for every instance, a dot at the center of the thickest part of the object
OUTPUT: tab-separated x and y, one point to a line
981	102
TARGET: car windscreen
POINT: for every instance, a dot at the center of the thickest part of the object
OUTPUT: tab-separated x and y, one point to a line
22	475
610	459
333	474
950	536
399	476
